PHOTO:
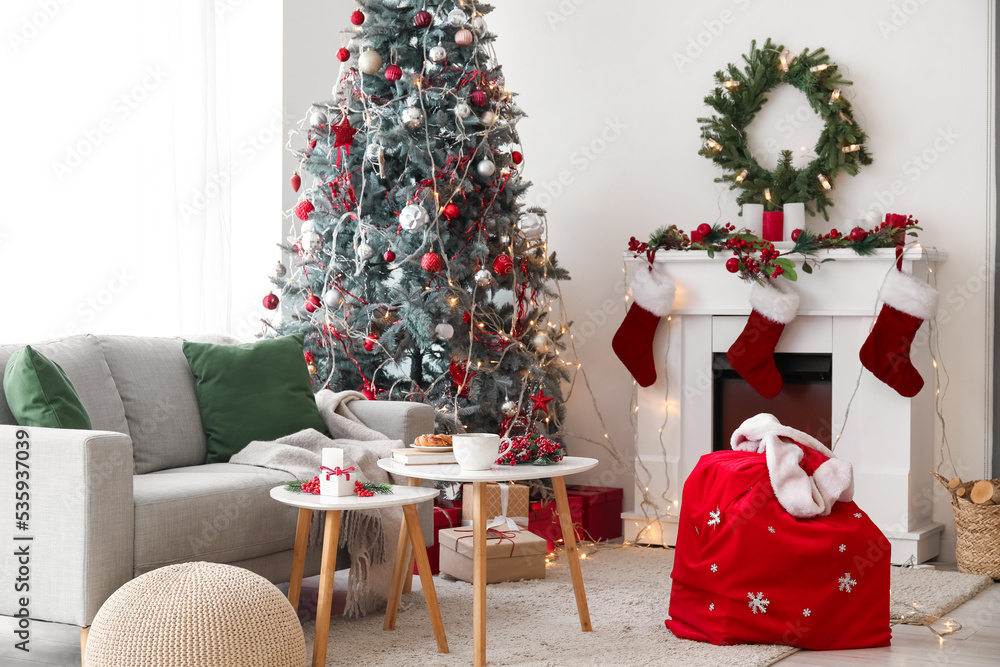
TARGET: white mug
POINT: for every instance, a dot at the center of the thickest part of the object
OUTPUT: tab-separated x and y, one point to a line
478	451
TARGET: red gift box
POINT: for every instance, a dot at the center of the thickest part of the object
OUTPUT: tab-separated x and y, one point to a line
747	571
602	510
543	520
444	517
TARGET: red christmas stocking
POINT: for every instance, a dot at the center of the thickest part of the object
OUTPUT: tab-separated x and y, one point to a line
752	354
906	303
652	298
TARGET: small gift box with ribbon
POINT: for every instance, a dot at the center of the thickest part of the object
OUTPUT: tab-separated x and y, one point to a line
334	479
510	555
506	505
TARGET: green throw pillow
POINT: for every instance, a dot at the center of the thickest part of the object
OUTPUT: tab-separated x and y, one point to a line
39	393
257	391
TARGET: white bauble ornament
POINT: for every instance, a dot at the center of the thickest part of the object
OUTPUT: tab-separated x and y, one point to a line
483	277
479	25
463	110
541	342
438	53
509	408
532	226
444	331
308	227
413	217
412	116
488	118
365	252
457	17
486	168
332	298
370	62
374	152
317	118
310	240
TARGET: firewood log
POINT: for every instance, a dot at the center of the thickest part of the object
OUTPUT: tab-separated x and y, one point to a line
985	492
954	483
960	492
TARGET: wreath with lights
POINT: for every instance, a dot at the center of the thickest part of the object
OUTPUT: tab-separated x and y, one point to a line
738	97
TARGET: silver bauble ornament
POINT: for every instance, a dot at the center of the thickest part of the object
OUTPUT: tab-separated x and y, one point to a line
365	252
509	408
541	342
444	331
413	217
486	168
412	116
317	118
488	118
374	152
370	62
479	25
457	17
332	298
280	271
532	226
463	110
310	240
308	227
438	53
483	277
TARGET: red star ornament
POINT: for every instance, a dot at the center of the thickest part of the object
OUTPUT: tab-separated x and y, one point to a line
344	134
461	376
541	401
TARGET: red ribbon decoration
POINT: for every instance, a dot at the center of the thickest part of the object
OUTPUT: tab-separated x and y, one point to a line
338	472
497	535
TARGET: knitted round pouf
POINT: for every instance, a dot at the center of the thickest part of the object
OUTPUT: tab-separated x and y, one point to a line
196	615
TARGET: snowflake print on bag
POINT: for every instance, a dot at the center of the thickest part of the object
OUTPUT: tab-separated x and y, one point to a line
714	518
758	603
770	529
711	606
715	568
806	612
857	515
846	583
842	548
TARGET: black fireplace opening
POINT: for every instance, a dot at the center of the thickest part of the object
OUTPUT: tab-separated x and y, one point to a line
804	403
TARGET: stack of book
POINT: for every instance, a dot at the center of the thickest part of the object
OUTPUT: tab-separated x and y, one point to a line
414	456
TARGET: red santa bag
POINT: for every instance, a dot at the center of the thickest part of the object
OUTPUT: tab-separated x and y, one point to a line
771	549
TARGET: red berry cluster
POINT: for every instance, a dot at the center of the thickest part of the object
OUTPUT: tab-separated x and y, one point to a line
362	492
529	448
312	486
745	251
637	246
310	358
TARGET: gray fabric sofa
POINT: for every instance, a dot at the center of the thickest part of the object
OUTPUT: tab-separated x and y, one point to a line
135	494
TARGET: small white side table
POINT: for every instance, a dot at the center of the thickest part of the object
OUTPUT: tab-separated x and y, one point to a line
452	472
405	496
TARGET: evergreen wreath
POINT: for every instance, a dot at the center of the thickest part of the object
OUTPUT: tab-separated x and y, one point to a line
740	94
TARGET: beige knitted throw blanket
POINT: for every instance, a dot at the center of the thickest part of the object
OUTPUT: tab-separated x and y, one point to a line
362	533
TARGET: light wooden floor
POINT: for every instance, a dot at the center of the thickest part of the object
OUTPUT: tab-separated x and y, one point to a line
978	643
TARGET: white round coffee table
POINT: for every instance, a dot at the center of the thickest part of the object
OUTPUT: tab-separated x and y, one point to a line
410	533
452	472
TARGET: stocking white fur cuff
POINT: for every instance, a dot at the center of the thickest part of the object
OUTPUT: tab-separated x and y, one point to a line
653	291
907	294
778	304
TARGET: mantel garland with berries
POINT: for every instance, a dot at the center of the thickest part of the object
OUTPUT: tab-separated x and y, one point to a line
738	98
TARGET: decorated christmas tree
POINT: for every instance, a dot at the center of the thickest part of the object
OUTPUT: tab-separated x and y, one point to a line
416	272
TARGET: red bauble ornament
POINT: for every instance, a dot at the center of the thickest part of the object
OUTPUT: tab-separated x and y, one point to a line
696	237
796	233
370	341
303	209
431	262
858	234
732	265
343	55
368	393
393	73
270	301
478	98
517	157
503	265
357	17
312	303
450	212
389	256
704	229
296	181
422	19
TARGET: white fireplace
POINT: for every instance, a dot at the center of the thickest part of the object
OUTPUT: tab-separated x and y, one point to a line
888	439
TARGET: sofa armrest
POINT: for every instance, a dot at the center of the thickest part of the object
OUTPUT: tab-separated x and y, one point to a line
398	420
80	520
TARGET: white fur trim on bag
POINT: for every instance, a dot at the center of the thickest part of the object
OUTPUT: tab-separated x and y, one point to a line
778	304
907	294
653	291
802	496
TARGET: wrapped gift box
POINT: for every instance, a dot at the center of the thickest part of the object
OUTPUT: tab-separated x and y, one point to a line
602	511
543	520
510	555
747	571
517	502
334	479
444	517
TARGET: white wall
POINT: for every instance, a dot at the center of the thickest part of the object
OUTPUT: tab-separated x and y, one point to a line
613	77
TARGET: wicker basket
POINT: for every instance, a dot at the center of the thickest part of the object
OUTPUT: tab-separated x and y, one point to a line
977	528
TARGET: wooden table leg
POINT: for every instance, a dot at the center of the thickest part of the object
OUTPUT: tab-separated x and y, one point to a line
331	537
408	581
412	522
398	576
83	644
299	556
479	573
572	555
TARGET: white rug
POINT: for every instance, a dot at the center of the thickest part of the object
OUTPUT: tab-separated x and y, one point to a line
535	622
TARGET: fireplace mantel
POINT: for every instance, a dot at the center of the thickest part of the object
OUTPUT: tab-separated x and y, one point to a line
888	439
